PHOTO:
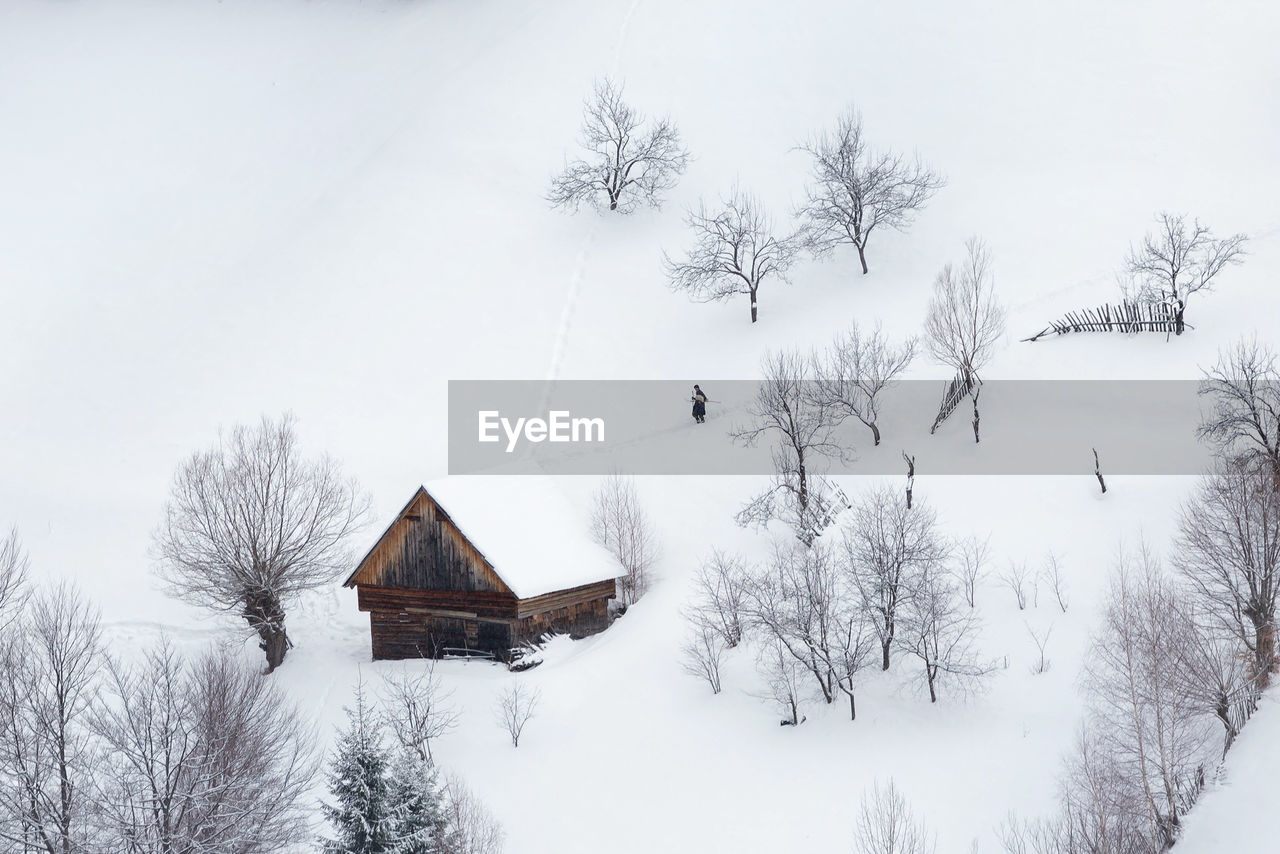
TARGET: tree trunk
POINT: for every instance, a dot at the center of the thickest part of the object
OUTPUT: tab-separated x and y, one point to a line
875	433
1264	651
884	649
1178	313
1223	711
863	258
265	615
931	676
803	497
753	305
976	437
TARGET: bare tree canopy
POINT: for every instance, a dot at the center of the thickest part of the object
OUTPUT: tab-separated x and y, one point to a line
472	829
1228	550
13	578
626	164
886	824
788	411
1151	724
735	250
251	523
856	369
1244	389
418	709
48	684
965	320
1177	261
855	190
805	602
889	550
202	756
620	524
933	626
516	705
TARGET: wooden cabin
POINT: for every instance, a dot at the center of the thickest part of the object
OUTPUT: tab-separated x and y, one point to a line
481	565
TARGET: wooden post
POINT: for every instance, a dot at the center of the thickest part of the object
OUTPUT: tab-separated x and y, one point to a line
976	391
911	476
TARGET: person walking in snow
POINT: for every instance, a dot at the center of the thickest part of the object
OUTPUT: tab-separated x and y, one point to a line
699	405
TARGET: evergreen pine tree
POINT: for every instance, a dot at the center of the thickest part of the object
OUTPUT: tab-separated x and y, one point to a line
416	807
361	812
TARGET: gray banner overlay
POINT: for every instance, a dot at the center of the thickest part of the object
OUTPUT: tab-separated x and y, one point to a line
646	427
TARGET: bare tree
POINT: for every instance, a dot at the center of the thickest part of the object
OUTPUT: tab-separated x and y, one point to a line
855	190
1149	719
1244	389
1016	578
703	650
621	525
250	524
1052	575
796	602
782	677
627	164
1041	640
940	633
801	426
735	250
721	591
418	709
1219	673
1100	809
516	706
48	682
1041	836
1177	261
13	579
203	757
965	321
855	647
471	828
856	369
888	550
1228	550
886	824
972	559
1103	806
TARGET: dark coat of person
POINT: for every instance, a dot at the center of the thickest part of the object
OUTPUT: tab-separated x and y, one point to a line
699	403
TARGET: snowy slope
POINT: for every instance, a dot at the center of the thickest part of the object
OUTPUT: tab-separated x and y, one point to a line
210	210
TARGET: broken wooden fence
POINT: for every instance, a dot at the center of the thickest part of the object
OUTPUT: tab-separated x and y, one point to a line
1125	317
959	388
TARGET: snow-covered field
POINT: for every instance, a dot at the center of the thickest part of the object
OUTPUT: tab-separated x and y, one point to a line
214	210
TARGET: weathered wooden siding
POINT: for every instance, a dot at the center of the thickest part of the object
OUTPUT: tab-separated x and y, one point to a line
564	598
577	620
398	635
476	603
423	549
422	633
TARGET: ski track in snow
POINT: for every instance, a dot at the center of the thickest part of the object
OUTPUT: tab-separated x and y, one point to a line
584	252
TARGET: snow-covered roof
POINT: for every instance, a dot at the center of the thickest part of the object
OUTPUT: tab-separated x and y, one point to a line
527	529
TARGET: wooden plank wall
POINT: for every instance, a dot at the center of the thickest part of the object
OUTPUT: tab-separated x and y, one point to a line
425	550
564	598
477	603
406	634
400	635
